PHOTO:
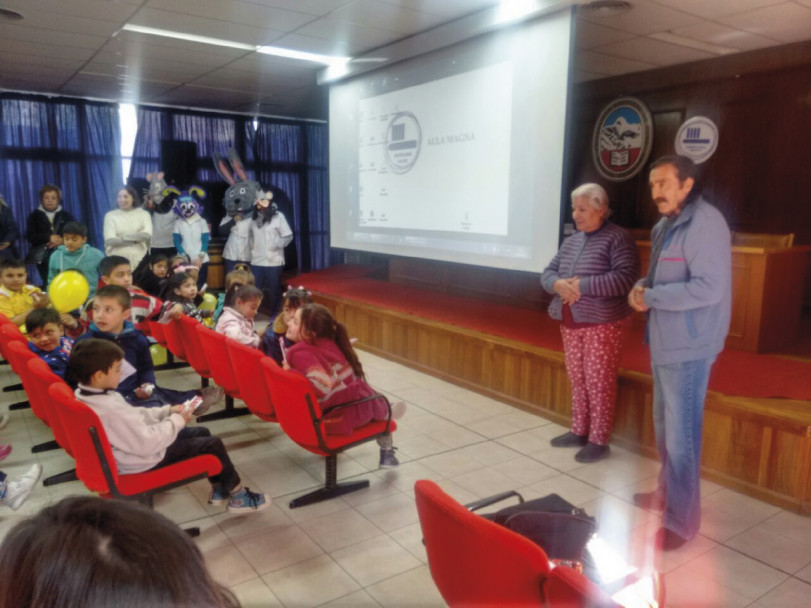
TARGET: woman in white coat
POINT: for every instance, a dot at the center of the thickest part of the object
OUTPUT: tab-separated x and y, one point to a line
128	229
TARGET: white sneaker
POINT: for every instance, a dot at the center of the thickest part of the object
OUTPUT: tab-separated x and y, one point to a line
17	490
3	421
398	410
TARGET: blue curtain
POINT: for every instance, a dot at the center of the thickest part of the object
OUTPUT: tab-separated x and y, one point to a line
72	143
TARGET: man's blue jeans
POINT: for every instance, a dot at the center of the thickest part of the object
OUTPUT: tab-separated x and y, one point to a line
679	390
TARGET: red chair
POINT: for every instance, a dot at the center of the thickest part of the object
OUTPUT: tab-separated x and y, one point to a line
222	372
173	340
38	381
245	361
96	466
195	354
157	333
9	332
300	416
473	561
19	355
567	588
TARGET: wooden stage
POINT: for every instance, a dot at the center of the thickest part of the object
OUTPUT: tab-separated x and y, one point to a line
761	447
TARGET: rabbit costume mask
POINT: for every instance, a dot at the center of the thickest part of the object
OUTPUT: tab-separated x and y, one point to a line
242	194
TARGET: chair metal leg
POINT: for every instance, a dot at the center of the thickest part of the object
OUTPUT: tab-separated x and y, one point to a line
203	382
229	412
45	446
60	478
331	487
20	405
194	531
13	387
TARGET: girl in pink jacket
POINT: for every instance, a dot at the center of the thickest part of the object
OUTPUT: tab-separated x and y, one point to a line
323	352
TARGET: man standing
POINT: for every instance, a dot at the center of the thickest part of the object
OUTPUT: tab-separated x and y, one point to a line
687	294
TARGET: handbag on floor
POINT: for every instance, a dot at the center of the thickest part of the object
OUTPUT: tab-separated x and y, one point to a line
557	526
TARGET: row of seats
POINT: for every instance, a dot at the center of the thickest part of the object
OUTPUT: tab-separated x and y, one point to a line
245	373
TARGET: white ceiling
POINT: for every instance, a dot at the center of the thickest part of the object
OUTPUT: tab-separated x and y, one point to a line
70	47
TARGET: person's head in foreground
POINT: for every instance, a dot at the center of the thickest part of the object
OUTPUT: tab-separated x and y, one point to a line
89	552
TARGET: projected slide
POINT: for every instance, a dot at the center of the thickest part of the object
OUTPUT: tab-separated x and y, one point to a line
429	155
457	154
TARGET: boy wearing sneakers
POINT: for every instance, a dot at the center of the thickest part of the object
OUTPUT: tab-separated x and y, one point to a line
146	439
111	309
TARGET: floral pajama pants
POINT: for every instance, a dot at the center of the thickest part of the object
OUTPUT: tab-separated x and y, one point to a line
592	357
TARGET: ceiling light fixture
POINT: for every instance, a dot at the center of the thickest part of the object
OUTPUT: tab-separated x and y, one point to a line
266	50
604	8
693	44
303	55
190	37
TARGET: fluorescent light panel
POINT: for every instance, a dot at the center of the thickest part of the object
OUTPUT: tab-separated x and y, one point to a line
267	50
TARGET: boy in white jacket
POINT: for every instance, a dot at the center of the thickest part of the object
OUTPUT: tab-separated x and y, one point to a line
149	438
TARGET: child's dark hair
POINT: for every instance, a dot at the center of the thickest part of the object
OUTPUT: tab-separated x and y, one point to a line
11	263
296	297
246	292
40	317
173	283
107	264
96	553
75	228
239	276
157	258
91	356
318	321
115	292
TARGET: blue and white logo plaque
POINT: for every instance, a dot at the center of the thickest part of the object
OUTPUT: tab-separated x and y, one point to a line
697	139
622	139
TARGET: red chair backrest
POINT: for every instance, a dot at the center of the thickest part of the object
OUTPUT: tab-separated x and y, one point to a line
18	356
42	378
219	364
77	420
288	391
475	562
10	333
245	361
195	354
173	340
156	331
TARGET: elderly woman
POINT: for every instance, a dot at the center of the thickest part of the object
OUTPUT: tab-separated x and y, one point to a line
44	228
590	278
128	229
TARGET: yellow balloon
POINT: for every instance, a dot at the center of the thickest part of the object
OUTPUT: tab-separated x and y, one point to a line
209	302
158	354
68	291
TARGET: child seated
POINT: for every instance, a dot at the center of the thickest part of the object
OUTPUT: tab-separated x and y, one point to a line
47	339
116	270
143	440
179	299
275	340
323	353
153	278
111	308
237	321
17	298
75	254
240	275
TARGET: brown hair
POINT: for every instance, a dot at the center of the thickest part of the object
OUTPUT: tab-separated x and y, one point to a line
90	552
91	356
115	292
50	188
136	200
318	321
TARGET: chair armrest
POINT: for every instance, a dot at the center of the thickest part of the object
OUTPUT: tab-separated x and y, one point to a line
490	500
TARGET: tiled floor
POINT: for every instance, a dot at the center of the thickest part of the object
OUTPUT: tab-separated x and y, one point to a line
364	549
